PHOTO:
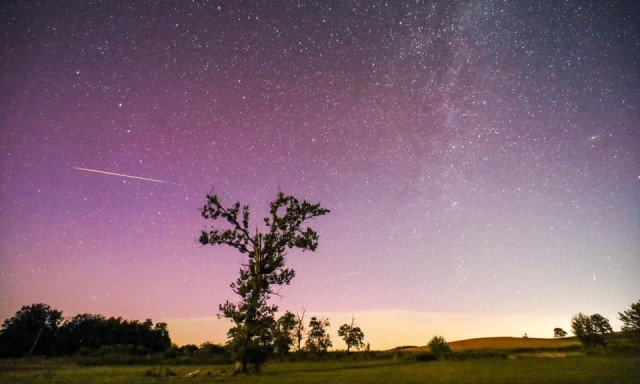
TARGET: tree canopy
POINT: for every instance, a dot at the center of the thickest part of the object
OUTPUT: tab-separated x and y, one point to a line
601	324
590	330
284	333
318	339
32	330
559	333
40	330
631	321
439	346
352	335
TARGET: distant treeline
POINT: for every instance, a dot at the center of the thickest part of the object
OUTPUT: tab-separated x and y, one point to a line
40	330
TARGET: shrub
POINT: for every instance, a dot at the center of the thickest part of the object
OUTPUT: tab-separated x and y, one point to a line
439	346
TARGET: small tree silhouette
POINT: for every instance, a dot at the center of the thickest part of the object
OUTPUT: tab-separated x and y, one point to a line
439	346
283	335
318	340
559	333
352	335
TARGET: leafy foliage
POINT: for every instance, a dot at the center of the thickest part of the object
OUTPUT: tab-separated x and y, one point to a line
38	329
631	321
32	330
590	329
352	335
439	346
251	339
284	333
559	333
94	331
601	324
318	339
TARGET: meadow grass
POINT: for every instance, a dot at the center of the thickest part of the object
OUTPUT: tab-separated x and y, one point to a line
605	368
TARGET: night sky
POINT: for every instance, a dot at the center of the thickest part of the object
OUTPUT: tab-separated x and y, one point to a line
481	159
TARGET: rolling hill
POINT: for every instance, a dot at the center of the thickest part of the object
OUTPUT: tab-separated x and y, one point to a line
498	343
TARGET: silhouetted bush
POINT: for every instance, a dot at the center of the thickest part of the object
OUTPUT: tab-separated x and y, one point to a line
439	347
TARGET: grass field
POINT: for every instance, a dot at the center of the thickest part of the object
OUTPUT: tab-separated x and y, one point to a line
605	368
485	360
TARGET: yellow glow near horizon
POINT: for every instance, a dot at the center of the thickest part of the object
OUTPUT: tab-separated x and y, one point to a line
386	329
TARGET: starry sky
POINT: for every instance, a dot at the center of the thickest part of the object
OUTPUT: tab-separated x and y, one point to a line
481	159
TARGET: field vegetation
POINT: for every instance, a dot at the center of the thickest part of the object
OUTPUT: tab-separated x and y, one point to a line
486	360
601	368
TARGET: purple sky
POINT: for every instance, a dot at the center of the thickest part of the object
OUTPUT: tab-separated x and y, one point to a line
481	159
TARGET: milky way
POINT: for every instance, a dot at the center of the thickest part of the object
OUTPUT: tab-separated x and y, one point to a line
478	157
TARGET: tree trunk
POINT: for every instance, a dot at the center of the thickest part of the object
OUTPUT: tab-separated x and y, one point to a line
245	369
35	342
245	354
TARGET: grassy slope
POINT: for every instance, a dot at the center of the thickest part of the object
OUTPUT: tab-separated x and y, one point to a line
511	343
519	343
508	343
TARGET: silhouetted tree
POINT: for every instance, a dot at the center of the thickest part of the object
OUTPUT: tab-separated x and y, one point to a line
32	330
253	316
352	335
318	339
284	333
160	339
631	321
601	324
559	333
299	329
586	331
439	346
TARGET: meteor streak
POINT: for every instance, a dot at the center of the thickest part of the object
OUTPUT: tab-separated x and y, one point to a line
123	175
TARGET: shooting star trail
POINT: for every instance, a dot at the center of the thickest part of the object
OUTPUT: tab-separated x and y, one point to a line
123	175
